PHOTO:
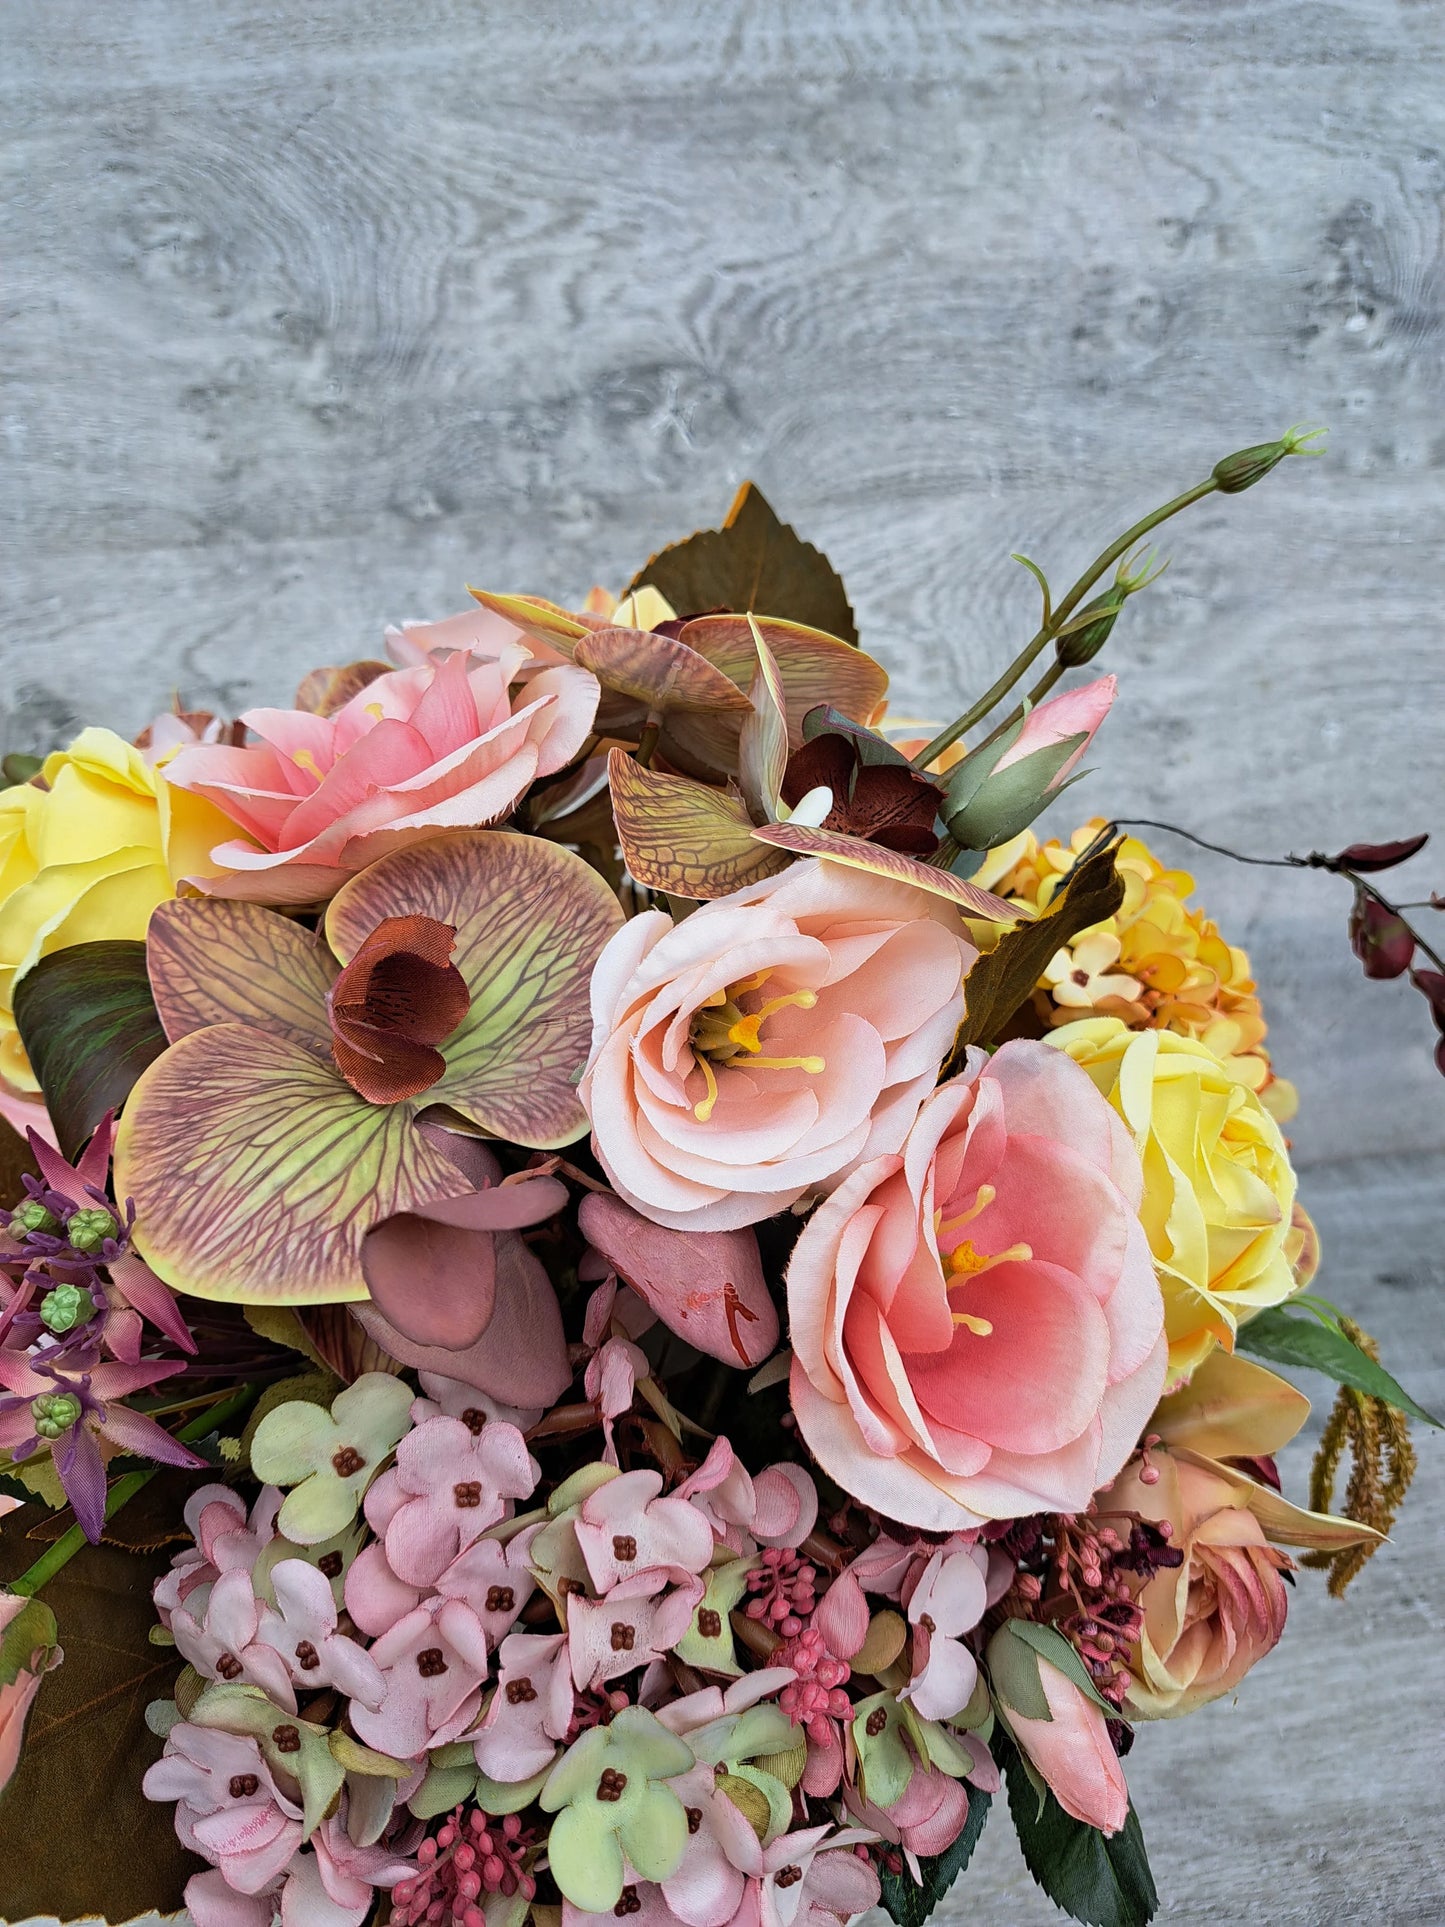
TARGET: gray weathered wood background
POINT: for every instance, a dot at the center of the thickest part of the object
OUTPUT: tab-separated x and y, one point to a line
315	312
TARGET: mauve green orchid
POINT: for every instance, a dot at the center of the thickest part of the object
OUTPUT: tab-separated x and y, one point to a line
290	1115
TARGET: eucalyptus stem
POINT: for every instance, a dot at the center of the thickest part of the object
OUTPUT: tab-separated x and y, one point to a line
122	1492
1058	620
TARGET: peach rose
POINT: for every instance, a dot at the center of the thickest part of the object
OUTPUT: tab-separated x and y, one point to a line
1208	1620
759	1050
977	1330
439	746
1064	1733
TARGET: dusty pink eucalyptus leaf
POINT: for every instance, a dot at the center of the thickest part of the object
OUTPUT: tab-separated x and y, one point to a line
707	1286
531	919
235	963
858	855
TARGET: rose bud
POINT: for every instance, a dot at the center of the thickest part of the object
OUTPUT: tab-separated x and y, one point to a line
1063	1731
996	792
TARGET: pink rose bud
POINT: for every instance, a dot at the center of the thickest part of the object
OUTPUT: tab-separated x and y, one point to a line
1063	1732
995	793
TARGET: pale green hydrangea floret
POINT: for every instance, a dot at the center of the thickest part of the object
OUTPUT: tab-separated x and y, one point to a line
609	1796
329	1458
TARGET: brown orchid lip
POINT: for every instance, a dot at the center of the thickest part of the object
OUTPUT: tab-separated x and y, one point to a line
398	998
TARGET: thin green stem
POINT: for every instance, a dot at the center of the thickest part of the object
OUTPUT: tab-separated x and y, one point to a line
122	1492
1058	619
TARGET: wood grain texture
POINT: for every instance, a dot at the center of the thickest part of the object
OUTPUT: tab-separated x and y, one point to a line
314	314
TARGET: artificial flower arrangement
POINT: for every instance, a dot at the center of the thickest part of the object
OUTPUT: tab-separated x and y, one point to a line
621	1297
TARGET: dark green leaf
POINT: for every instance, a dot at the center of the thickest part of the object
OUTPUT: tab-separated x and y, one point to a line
1049	1643
1297	1338
756	564
89	1026
911	1905
1005	978
31	1631
19	768
17	1162
88	1746
1102	1881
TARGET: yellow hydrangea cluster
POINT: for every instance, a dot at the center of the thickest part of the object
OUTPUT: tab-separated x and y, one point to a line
1158	964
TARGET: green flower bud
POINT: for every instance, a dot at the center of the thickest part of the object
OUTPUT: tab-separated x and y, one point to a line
88	1230
33	1216
1082	644
1251	465
54	1413
66	1307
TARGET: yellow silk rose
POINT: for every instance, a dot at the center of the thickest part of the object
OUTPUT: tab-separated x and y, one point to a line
1218	1185
86	854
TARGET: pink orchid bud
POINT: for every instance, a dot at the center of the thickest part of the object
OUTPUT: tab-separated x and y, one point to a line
1077	712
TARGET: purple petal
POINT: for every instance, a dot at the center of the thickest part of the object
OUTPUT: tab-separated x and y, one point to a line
83	1477
141	1289
134	1432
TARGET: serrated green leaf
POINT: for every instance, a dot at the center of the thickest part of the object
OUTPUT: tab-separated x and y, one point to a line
910	1904
1286	1338
753	562
1005	978
89	1026
1103	1881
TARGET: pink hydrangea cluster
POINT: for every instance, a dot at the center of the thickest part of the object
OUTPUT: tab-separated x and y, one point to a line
626	1684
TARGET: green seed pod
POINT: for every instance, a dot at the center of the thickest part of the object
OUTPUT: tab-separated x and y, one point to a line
33	1216
88	1230
54	1413
66	1307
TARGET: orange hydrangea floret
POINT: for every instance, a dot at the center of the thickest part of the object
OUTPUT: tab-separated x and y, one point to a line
1158	963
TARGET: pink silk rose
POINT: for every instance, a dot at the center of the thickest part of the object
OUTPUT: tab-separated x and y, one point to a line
1207	1621
1073	1753
977	1328
440	746
759	1050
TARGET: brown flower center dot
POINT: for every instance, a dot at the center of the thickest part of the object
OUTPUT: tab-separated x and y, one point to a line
500	1599
694	1819
628	1904
789	1876
624	1547
329	1565
877	1720
520	1692
623	1636
307	1657
612	1785
431	1662
228	1666
474	1420
244	1785
347	1462
468	1494
709	1623
286	1739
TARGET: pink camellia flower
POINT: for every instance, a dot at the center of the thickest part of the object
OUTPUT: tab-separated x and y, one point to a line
449	1484
302	1630
229	1809
977	1326
433	1663
760	1050
439	746
1208	1620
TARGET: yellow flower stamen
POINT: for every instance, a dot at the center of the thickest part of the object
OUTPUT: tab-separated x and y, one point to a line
814	1066
745	1031
703	1111
945	1228
376	712
970	1322
303	759
964	1262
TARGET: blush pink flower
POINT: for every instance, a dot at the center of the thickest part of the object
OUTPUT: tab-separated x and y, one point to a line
229	1809
949	1600
977	1327
763	1048
302	1630
218	1631
531	1711
627	1527
448	1486
443	745
433	1662
639	1621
